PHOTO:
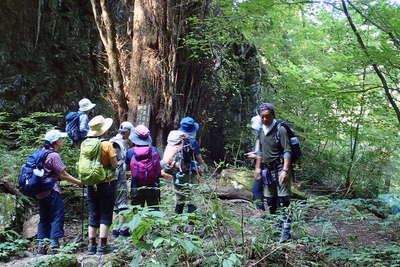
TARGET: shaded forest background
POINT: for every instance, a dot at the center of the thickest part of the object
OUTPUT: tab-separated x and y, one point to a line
330	68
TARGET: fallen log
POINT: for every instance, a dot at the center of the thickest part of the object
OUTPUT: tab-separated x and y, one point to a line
226	192
8	189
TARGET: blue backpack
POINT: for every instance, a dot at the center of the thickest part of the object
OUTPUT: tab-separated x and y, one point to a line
185	156
72	126
31	181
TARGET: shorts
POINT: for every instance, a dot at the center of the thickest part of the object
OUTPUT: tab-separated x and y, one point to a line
101	199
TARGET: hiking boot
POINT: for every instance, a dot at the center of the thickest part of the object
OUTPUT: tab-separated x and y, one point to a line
124	231
115	232
103	250
54	244
92	250
259	215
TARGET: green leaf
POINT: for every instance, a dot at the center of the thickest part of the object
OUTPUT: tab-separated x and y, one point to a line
227	263
187	245
158	241
136	259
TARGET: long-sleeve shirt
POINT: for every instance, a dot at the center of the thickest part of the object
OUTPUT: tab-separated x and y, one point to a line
84	124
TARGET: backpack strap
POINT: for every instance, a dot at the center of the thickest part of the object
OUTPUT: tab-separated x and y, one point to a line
152	160
155	151
134	158
42	159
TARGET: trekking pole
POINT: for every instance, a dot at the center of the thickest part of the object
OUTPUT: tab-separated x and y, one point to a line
82	210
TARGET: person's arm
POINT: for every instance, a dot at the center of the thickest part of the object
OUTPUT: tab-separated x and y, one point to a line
64	175
287	154
258	152
166	175
253	154
84	123
257	172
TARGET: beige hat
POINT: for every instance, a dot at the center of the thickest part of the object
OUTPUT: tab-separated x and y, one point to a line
99	125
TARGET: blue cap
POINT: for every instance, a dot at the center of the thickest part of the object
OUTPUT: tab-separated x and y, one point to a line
188	126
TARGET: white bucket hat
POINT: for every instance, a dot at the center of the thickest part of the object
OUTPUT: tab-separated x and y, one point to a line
85	104
99	125
53	136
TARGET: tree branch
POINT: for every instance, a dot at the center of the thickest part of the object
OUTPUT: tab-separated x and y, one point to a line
375	67
391	35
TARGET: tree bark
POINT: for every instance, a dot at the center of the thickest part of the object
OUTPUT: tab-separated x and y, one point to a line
163	74
106	28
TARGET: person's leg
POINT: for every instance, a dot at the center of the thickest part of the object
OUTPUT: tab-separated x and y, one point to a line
258	194
121	200
107	201
57	224
44	225
180	198
153	198
270	193
94	218
137	196
284	202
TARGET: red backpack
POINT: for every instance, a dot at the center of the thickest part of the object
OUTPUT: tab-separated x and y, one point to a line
145	166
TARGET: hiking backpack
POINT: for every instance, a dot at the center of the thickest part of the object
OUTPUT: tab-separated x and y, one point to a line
90	168
72	126
31	181
145	166
294	141
185	156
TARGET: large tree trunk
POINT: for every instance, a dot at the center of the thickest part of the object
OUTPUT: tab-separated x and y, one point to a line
162	73
106	27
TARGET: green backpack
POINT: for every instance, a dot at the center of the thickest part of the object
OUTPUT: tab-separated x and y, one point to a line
90	169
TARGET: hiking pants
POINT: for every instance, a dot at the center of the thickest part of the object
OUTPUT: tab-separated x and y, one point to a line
51	211
258	193
184	194
277	194
101	199
145	194
121	201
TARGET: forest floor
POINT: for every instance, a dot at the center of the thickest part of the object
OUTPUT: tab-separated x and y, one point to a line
326	232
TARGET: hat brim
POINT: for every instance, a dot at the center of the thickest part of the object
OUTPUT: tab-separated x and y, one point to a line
63	135
140	142
87	108
99	132
193	132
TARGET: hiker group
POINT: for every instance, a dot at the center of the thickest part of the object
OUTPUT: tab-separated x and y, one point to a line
106	165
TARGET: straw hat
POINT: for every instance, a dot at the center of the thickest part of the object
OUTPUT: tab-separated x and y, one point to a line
99	125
